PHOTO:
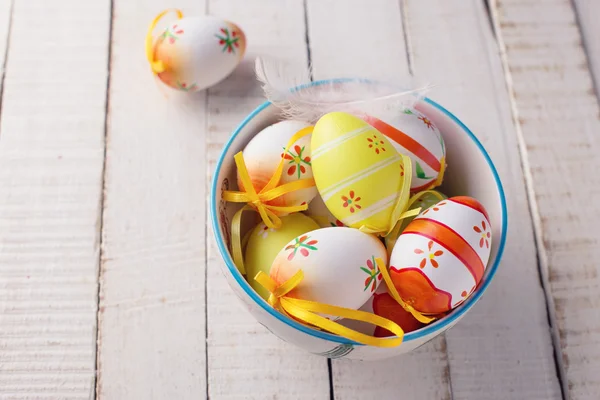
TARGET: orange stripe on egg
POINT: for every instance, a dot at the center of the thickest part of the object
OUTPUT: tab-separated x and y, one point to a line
405	141
451	240
471	203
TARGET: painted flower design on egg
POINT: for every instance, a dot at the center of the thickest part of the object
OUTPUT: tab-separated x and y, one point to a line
172	33
264	233
485	234
185	87
464	293
298	161
431	255
374	274
421	172
229	41
301	245
337	223
351	201
427	122
435	208
376	144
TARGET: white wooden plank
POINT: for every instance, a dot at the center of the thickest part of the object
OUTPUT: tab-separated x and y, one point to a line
244	359
5	11
503	348
51	160
587	14
152	304
367	40
558	123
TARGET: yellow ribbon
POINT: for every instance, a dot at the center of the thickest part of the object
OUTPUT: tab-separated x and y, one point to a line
392	237
305	311
257	201
396	296
440	177
400	208
157	66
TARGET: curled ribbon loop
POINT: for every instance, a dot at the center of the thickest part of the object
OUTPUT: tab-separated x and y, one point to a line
394	293
307	311
392	237
440	177
402	202
257	201
157	66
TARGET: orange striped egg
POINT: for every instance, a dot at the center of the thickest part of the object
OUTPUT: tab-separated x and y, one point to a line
413	134
441	256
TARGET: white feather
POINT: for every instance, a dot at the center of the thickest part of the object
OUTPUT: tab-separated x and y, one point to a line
289	88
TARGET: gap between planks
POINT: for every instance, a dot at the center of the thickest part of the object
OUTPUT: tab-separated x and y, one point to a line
465	72
51	159
552	91
241	352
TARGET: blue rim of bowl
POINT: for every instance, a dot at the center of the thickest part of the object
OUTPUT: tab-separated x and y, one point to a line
438	326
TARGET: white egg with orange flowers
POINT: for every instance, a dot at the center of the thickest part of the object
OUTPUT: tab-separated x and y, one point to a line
441	256
194	53
267	149
339	266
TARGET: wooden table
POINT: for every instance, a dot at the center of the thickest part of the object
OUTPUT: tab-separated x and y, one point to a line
109	278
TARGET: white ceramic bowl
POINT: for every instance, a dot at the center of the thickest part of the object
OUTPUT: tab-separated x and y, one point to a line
470	172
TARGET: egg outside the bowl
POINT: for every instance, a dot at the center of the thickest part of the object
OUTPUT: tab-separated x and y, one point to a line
198	52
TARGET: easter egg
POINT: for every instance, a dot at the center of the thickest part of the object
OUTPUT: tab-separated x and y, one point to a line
264	244
441	256
338	265
425	201
198	52
318	211
384	305
357	171
413	134
264	152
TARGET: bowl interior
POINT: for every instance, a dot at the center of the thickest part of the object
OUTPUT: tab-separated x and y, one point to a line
469	172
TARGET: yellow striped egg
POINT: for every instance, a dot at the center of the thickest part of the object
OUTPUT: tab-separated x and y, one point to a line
358	173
